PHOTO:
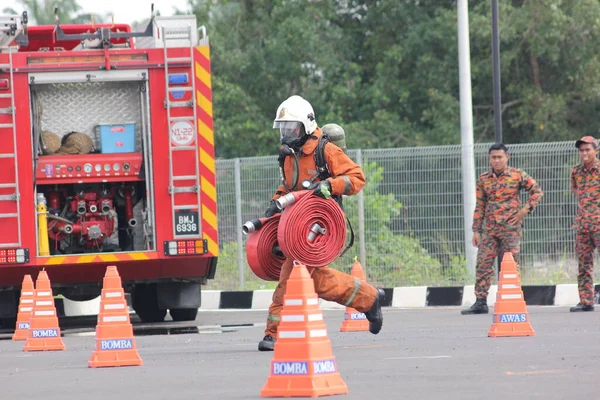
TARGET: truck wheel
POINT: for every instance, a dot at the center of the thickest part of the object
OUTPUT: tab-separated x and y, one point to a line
9	307
8	323
184	314
144	300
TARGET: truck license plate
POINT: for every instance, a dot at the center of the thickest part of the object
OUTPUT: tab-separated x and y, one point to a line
186	223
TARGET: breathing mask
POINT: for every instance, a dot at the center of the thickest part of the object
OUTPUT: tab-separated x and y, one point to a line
292	134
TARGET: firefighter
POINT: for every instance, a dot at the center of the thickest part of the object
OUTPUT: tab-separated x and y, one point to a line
299	135
585	183
498	218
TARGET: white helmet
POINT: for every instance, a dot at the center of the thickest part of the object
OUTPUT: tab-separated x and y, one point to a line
295	109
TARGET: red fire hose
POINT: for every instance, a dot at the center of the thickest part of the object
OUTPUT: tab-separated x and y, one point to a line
312	230
262	251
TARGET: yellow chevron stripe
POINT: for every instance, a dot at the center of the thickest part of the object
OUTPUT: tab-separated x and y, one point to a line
138	256
203	75
207	160
209	217
205	51
213	248
55	260
204	103
208	188
206	132
109	257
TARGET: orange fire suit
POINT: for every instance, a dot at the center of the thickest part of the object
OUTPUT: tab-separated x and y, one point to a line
346	178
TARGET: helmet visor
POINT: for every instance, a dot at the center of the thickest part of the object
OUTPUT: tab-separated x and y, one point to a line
290	129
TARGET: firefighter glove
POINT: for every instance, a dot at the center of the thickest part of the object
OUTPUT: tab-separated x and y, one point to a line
323	189
272	209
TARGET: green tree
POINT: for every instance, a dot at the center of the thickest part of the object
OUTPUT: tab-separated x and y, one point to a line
388	70
394	259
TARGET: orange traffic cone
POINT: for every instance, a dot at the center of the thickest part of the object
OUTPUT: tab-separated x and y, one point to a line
44	332
354	320
25	307
115	344
303	364
510	311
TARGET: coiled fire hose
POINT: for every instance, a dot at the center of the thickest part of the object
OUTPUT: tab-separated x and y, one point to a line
311	230
262	251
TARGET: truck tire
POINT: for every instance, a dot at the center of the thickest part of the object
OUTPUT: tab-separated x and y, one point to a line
144	300
9	308
8	323
184	314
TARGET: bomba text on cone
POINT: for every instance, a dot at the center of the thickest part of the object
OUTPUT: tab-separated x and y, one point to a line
44	331
115	344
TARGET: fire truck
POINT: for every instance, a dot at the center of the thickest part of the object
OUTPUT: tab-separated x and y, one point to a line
107	158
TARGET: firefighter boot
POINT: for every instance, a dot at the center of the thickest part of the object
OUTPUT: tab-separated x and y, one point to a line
480	307
374	315
267	344
582	307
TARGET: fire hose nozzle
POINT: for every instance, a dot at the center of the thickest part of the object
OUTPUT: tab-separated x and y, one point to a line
252	226
132	222
285	201
315	230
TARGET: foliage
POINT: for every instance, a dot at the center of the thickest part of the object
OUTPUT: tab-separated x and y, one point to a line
388	70
392	259
397	260
227	276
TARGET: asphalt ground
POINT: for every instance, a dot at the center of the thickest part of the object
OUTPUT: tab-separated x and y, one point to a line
420	354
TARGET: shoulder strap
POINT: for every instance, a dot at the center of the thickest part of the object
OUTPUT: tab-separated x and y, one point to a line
320	161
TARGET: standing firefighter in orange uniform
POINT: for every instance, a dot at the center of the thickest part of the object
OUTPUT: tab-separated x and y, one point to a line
299	136
585	183
498	218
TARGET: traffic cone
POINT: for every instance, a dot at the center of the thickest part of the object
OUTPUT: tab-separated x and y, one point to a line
303	364
115	344
25	307
44	332
354	320
510	311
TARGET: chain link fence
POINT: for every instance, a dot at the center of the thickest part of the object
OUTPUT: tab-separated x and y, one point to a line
408	220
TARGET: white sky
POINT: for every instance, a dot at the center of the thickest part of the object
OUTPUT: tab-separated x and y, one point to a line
125	11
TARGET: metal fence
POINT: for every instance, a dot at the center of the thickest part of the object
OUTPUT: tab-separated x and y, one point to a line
411	215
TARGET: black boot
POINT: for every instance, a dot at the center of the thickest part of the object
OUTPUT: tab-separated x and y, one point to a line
374	315
480	307
267	344
582	307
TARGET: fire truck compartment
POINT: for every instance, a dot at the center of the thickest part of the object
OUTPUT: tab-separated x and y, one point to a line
92	139
72	202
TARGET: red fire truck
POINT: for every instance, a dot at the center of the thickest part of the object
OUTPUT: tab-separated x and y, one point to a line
107	158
